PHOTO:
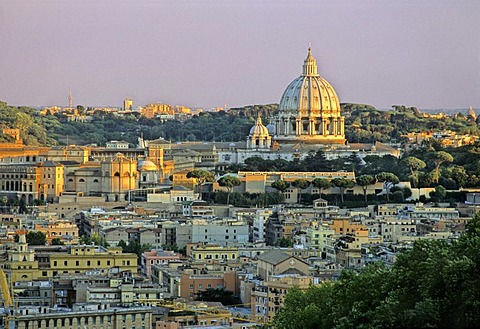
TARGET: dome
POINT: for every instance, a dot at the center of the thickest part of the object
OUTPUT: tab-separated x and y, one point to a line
259	129
271	128
309	93
146	165
309	110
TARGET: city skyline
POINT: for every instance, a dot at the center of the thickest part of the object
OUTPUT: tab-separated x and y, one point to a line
211	53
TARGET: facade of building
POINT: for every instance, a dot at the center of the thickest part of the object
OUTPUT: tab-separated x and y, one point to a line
84	317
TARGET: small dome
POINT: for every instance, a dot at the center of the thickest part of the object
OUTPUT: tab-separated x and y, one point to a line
259	129
271	128
146	165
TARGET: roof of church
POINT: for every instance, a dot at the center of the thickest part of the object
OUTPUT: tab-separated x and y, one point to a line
274	256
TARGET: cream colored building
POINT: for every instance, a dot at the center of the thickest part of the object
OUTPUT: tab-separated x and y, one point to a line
66	231
275	262
84	317
24	263
52	180
268	296
128	104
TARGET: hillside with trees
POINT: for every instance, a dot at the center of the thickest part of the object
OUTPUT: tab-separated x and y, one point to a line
363	124
366	124
34	128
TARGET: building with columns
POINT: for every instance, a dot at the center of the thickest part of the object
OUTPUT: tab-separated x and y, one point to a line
309	120
309	110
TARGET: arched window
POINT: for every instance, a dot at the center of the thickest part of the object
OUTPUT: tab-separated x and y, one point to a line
81	180
95	180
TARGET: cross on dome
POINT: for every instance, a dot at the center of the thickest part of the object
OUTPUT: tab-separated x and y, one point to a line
310	64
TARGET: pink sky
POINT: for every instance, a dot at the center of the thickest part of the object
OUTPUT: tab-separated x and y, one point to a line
210	53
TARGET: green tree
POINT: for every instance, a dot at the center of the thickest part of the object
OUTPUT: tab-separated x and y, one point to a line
283	242
96	239
389	180
36	238
343	184
300	184
280	185
22	206
433	285
364	181
201	177
226	297
321	184
57	242
414	164
229	182
439	194
438	158
134	247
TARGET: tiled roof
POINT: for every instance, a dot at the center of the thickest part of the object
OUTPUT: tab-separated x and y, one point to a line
274	256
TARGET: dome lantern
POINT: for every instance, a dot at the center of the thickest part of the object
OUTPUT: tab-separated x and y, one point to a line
310	64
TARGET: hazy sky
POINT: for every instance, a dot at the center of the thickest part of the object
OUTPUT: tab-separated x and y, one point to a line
210	53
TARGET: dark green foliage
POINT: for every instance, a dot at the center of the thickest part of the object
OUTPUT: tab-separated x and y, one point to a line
35	129
57	242
95	239
283	243
434	285
34	238
280	185
226	297
201	176
249	199
229	182
365	124
134	247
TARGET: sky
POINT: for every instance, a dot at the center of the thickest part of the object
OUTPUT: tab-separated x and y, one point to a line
198	53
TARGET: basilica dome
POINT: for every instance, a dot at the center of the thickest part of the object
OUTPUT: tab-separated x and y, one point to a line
310	94
309	110
146	165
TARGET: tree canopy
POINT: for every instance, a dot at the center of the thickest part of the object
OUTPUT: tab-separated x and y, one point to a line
229	182
433	285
